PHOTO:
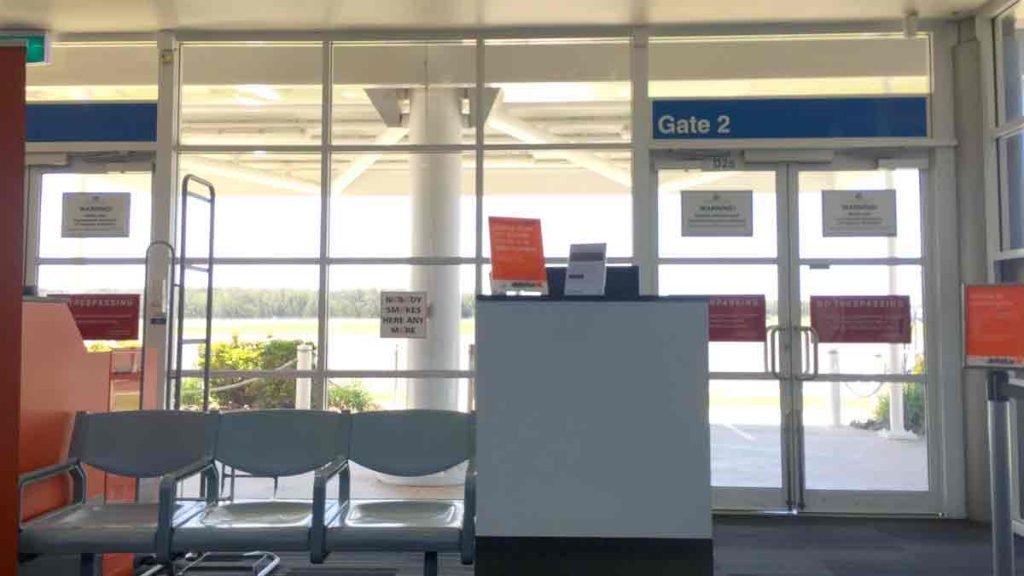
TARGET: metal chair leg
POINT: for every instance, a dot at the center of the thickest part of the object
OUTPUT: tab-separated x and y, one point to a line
430	564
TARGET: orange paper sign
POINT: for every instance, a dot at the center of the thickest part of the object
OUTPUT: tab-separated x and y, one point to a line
994	326
517	255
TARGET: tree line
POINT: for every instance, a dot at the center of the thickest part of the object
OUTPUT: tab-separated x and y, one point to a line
291	303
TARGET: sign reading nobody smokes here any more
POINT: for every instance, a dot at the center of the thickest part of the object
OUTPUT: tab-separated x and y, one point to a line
91	215
718	213
994	326
403	314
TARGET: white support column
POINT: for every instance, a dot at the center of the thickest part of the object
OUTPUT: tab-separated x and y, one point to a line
436	118
163	207
645	193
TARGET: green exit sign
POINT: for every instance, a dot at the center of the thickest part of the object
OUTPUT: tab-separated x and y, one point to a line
37	47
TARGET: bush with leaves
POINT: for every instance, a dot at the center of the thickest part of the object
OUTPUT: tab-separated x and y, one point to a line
236	393
351	397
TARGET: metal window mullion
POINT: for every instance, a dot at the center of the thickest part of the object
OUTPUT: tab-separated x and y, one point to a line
644	193
319	398
719	261
409	374
33	225
103	261
479	173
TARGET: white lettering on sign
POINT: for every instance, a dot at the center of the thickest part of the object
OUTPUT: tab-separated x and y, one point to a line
669	124
403	314
859	213
718	213
96	215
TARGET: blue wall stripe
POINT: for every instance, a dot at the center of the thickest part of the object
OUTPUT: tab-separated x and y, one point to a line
100	122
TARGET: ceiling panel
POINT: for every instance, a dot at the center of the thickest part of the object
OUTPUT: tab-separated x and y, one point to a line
151	15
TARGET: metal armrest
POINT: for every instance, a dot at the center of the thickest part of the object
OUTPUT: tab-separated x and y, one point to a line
469	516
317	537
72	467
168	497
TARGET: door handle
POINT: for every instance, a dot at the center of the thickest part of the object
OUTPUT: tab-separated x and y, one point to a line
811	363
771	352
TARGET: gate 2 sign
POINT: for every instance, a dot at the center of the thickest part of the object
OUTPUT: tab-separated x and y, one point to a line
861	319
881	117
994	326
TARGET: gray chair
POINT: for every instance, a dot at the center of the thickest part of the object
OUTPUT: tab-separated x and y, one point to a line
405	443
267	444
145	444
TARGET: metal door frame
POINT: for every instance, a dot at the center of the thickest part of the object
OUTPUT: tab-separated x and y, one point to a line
793	496
82	163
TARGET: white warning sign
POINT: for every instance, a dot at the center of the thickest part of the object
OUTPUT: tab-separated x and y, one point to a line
403	314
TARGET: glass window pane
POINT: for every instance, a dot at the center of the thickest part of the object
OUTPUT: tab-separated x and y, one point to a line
672	184
722	280
403	92
268	204
92	278
907	243
553	91
744	66
355	341
579	196
746	444
1012	168
849	443
260	313
380	203
251	93
1010	43
94	72
868	281
56	184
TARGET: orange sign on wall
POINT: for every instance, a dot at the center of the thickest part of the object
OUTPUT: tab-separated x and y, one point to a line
517	255
994	326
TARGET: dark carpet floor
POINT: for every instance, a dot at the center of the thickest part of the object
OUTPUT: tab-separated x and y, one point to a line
761	546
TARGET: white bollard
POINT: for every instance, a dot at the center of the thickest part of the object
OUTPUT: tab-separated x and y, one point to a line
897	426
303	386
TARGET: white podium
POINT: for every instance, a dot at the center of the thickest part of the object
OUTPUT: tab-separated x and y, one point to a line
593	448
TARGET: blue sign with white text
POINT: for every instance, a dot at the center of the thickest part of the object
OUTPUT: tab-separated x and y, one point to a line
883	117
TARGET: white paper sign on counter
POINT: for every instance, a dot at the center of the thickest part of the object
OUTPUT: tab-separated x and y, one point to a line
96	215
586	274
859	213
718	213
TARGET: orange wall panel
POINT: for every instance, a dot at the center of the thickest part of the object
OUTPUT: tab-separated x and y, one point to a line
59	378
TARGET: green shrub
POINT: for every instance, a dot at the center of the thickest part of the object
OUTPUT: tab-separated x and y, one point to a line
352	397
913	408
267	392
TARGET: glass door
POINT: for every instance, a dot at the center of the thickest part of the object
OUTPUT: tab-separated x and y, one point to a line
860	392
58	261
828	412
749	462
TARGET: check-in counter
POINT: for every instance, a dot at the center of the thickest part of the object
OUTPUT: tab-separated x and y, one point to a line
593	448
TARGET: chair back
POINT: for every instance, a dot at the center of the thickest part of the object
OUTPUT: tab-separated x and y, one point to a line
143	443
411	442
272	443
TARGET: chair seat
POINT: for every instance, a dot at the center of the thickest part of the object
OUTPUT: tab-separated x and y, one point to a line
98	527
413	525
244	525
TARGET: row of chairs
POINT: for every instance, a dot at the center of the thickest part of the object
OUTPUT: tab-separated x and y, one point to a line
175	446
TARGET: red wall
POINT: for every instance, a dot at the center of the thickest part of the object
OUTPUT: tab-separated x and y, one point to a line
12	193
